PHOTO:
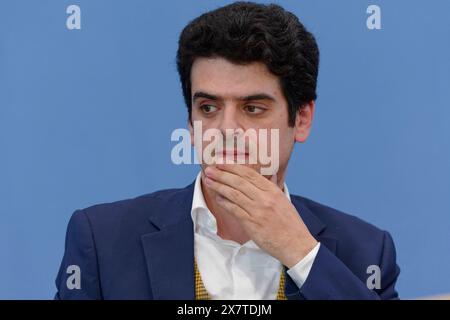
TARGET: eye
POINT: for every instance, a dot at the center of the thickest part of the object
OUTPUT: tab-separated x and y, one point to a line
208	108
254	109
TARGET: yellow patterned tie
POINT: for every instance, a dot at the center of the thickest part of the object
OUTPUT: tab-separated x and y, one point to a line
202	294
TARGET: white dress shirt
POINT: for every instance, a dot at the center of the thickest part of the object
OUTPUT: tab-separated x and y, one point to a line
230	270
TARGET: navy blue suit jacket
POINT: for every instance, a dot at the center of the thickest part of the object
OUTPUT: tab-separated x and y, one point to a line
143	248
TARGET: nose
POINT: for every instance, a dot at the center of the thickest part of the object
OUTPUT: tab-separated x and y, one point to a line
230	121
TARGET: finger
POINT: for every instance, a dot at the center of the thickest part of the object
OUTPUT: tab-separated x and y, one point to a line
234	209
234	181
231	194
248	174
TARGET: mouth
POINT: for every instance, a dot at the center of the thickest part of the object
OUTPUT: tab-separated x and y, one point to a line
232	153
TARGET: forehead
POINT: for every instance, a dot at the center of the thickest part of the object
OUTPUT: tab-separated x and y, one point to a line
222	77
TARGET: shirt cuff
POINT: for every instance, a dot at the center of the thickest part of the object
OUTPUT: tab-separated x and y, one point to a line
299	273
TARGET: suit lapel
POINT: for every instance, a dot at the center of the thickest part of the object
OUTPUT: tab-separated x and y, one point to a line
169	251
316	227
314	224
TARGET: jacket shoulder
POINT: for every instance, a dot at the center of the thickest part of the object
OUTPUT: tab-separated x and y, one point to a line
336	219
356	236
134	209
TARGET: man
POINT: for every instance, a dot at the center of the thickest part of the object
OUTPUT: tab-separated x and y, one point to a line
234	233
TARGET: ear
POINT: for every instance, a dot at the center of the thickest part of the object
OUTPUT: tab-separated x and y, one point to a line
303	121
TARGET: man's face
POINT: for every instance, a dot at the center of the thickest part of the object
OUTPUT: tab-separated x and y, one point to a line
231	96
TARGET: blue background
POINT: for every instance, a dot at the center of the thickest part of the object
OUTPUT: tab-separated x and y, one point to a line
86	117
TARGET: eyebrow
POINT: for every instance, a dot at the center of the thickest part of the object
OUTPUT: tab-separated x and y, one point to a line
257	96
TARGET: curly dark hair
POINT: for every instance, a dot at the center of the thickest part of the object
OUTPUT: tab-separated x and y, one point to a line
245	32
